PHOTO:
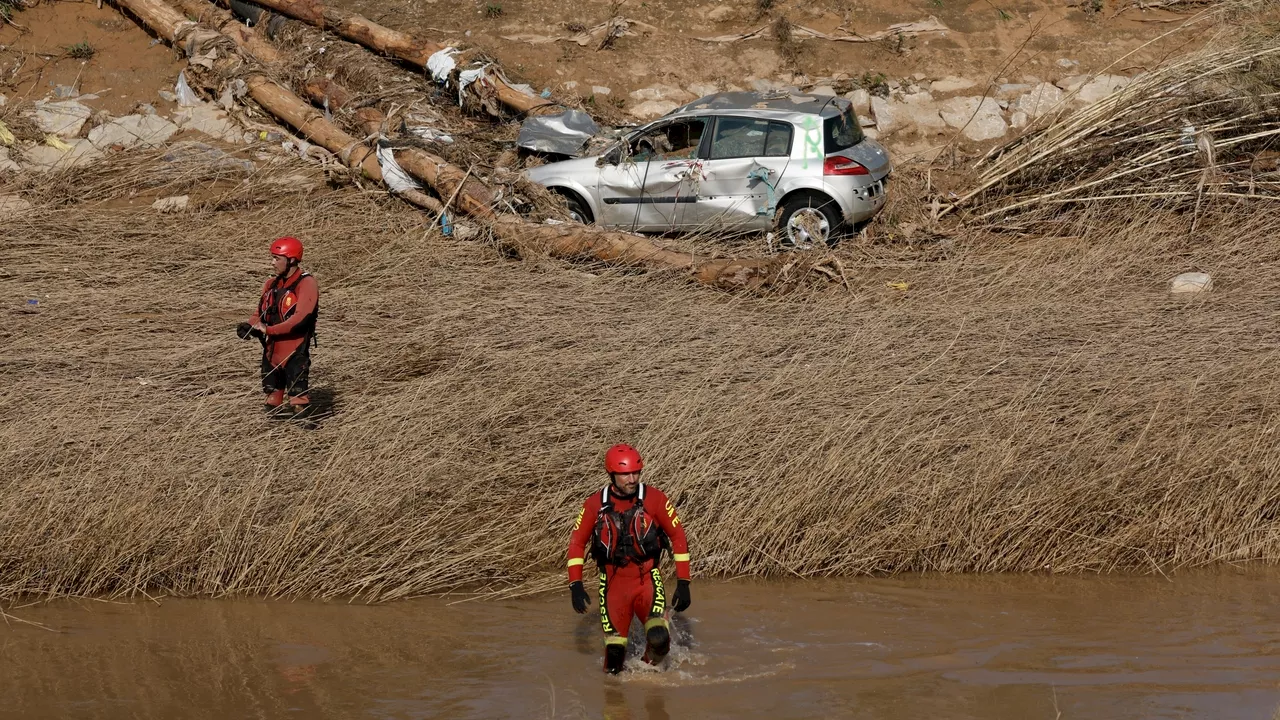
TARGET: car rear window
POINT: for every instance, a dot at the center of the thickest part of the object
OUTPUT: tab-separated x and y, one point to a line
841	132
750	137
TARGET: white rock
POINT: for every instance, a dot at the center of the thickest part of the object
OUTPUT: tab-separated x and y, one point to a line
979	117
64	118
951	83
661	92
921	114
211	120
1040	100
3	100
918	98
826	90
1065	63
601	90
652	109
1192	282
703	89
131	130
1008	91
12	206
43	158
886	117
1100	87
1071	83
175	203
1019	119
866	121
861	100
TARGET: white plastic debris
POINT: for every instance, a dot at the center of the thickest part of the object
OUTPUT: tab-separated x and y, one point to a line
186	96
1192	282
466	77
430	134
441	63
392	174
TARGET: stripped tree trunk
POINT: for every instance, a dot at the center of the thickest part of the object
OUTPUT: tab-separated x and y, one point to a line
397	44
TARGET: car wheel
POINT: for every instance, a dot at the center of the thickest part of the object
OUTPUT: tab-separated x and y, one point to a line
577	209
808	221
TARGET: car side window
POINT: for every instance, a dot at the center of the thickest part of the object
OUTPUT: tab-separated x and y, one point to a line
750	137
677	140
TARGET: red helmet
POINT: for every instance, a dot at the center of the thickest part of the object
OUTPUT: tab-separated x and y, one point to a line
289	247
622	458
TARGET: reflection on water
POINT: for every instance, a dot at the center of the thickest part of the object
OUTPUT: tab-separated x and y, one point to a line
1201	645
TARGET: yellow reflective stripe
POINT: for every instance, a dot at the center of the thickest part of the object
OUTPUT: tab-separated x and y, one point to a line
614	640
655	622
682	557
575	561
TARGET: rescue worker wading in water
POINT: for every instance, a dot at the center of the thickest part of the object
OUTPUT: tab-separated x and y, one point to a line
286	324
626	526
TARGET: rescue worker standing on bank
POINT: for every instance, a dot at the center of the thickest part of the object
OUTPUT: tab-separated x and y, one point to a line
626	526
286	324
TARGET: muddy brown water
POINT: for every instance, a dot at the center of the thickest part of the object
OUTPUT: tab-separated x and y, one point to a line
1197	645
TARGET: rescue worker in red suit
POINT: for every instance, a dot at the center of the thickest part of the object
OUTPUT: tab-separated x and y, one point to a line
285	322
626	526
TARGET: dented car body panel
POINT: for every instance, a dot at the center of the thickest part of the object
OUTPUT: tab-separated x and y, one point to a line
729	161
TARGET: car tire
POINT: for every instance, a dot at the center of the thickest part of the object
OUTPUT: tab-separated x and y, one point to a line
808	221
578	209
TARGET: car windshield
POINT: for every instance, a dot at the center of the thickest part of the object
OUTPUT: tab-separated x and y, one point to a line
842	131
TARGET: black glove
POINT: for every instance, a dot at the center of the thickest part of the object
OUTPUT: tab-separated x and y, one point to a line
244	330
580	597
682	599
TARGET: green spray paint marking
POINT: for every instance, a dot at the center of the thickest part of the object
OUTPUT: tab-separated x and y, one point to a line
812	141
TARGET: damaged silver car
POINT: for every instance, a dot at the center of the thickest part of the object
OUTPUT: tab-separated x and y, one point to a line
738	161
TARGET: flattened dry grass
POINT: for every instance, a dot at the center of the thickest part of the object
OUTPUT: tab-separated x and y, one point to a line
1023	406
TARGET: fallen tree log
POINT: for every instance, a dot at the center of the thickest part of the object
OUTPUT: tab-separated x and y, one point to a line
402	46
514	233
181	32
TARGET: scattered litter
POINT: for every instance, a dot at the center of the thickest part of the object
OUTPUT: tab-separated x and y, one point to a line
898	285
564	133
142	381
546	92
441	64
429	134
799	31
1192	282
392	174
6	136
186	96
463	231
33	301
56	142
167	96
446	227
762	173
176	203
466	77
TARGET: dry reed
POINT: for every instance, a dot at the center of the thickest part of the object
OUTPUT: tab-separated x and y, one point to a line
1201	128
1026	407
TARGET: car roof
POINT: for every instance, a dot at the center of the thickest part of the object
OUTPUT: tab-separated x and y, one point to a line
765	104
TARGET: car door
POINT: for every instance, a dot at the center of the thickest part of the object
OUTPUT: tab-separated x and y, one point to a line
745	159
653	182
